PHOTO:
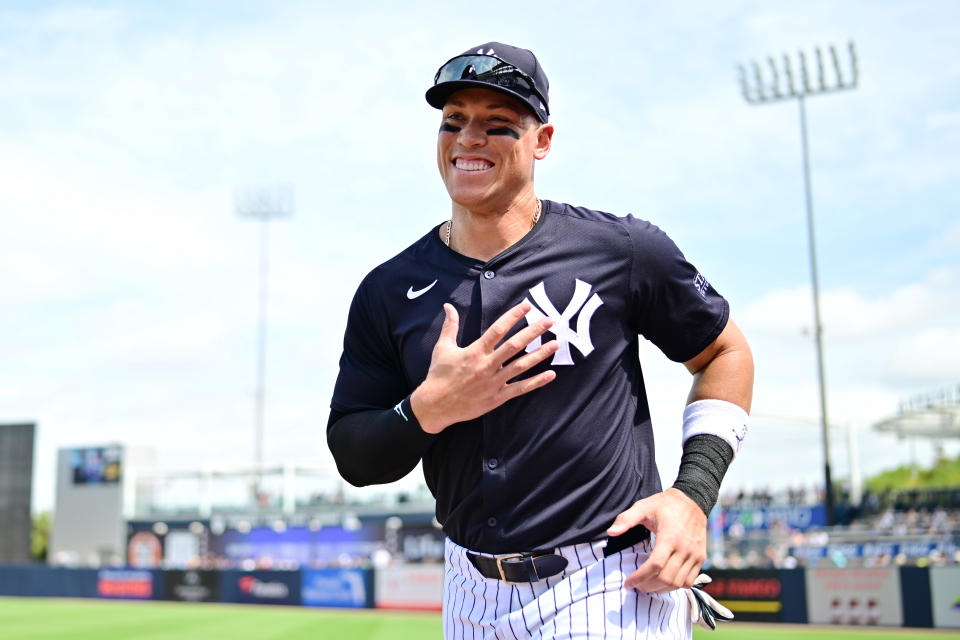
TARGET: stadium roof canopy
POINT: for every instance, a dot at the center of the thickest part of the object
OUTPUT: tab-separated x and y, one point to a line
933	415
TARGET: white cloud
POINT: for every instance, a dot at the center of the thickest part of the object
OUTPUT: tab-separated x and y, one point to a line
847	314
947	244
63	21
930	355
943	120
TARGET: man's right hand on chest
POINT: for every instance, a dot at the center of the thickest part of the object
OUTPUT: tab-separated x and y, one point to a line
465	383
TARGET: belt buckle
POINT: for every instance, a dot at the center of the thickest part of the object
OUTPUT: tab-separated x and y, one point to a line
500	560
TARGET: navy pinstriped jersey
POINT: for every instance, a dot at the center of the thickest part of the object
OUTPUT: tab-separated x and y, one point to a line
557	465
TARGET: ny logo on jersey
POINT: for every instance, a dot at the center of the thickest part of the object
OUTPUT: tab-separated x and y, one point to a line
561	321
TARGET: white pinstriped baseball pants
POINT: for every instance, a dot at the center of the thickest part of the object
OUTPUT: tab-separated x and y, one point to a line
586	601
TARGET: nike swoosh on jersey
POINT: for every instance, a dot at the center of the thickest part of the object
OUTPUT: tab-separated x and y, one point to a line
412	295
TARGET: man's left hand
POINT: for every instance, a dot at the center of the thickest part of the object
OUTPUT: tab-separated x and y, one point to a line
680	546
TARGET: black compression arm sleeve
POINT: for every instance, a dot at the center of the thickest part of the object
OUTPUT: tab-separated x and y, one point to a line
376	446
704	463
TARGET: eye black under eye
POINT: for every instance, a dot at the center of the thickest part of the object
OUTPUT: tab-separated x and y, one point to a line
503	131
449	127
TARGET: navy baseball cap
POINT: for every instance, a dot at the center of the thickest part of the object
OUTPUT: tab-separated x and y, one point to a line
496	66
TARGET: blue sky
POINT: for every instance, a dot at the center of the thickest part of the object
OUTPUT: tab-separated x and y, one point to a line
130	284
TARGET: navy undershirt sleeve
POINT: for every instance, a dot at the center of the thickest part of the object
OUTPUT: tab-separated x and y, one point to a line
376	446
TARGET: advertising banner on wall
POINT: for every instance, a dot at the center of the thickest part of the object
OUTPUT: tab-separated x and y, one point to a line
171	543
304	546
144	550
422	544
351	588
762	518
121	583
873	550
260	587
854	596
752	594
192	586
945	593
413	586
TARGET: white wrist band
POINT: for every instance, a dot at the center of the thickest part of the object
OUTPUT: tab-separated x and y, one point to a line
716	418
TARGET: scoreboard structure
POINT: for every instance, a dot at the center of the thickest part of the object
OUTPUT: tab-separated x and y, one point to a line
93	484
16	480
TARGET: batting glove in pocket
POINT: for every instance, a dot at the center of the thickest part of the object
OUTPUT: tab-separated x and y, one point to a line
704	609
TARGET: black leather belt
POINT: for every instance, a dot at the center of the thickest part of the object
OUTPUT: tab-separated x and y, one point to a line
519	567
534	566
626	540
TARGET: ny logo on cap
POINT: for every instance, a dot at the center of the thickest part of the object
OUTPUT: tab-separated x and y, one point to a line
561	321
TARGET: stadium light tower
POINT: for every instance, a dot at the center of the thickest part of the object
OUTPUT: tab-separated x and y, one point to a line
759	90
263	204
933	415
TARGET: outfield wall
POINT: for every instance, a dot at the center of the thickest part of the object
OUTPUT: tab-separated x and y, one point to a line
904	596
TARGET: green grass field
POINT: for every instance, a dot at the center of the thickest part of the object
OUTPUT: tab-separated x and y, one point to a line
53	619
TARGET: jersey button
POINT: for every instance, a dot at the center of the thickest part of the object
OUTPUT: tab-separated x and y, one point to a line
493	463
489	275
491	521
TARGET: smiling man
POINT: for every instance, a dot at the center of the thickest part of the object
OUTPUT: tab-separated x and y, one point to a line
501	349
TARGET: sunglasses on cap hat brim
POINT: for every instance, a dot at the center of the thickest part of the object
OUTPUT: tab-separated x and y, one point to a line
481	70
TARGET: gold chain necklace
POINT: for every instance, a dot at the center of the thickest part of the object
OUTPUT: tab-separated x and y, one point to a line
536	217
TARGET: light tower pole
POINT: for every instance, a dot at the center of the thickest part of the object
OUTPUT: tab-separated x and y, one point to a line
756	91
263	204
